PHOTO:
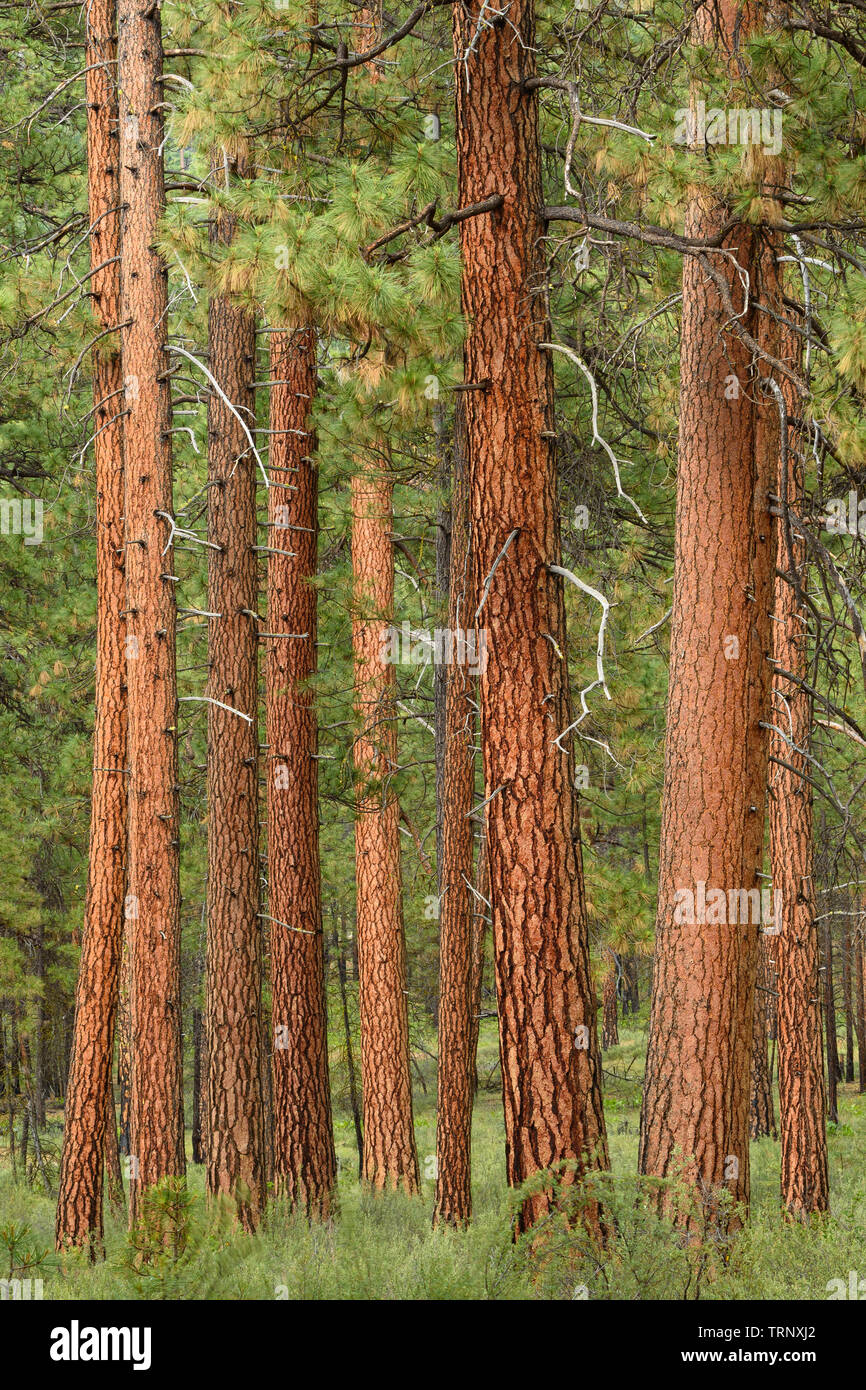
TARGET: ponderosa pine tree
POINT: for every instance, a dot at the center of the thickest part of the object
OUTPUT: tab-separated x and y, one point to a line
457	902
609	1021
89	1104
695	1115
153	897
235	1132
390	1156
794	948
847	957
480	922
831	1050
304	1157
551	1068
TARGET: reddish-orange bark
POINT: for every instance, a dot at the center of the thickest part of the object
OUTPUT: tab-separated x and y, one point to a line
457	901
696	1100
156	1118
390	1157
79	1202
551	1069
304	1157
235	1131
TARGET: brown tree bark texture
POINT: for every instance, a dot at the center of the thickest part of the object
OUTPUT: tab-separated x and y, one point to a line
695	1113
610	1023
390	1157
794	950
235	1133
830	1027
551	1068
304	1157
698	1065
457	902
79	1202
153	888
480	920
123	1034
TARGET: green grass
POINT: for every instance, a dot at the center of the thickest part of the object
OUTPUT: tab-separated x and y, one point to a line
383	1247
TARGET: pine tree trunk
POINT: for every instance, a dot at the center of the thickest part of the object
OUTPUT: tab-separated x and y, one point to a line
762	1118
390	1157
235	1150
153	886
830	1029
354	1100
198	1128
794	947
447	466
79	1203
609	1025
631	995
849	1005
860	997
696	1098
551	1067
480	920
198	1154
38	946
304	1156
457	901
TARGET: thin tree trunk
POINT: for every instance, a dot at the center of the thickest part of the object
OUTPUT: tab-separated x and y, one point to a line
830	1029
38	941
25	1143
446	467
235	1149
849	1005
480	920
696	1097
6	1053
551	1067
457	901
350	1055
79	1202
860	997
631	996
198	1151
762	1118
304	1157
390	1157
153	886
610	1026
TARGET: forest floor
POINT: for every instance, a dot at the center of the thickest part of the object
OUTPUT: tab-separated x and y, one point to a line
382	1247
